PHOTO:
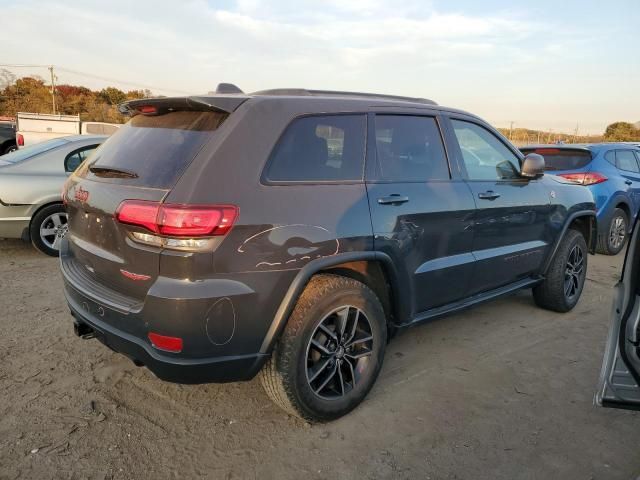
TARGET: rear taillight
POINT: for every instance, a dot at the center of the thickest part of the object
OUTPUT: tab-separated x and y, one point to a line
178	220
588	178
20	140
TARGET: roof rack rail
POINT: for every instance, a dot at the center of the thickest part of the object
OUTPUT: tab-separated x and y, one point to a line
337	93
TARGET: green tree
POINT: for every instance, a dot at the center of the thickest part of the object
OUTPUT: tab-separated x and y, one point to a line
621	132
112	95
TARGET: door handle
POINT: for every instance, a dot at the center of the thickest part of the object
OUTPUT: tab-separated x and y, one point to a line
393	199
628	182
488	195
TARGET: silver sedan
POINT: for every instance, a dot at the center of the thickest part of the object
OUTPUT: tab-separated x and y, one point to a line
31	180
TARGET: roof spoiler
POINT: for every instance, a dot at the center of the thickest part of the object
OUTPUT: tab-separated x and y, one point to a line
226	99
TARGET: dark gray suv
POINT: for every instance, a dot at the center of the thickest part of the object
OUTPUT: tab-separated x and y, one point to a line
291	232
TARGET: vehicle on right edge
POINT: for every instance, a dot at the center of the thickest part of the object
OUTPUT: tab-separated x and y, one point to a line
289	233
619	384
612	172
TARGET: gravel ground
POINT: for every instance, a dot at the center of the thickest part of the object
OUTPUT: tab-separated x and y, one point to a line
500	391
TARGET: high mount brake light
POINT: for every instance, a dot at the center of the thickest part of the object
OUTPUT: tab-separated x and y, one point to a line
587	178
147	110
178	220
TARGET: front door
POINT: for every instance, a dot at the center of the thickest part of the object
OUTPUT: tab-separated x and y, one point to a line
421	216
511	219
619	384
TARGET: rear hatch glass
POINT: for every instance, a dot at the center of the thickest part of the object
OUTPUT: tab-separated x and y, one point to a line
557	159
153	150
142	160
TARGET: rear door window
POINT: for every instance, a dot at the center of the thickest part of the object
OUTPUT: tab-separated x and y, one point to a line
75	158
562	159
626	160
409	149
320	148
156	148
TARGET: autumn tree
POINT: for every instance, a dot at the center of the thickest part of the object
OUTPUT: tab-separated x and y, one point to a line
32	94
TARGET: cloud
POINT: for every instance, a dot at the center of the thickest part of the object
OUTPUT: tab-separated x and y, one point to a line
484	59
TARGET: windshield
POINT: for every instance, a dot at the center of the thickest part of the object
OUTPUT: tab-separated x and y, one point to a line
561	158
152	151
32	150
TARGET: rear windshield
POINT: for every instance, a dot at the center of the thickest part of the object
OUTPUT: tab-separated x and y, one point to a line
33	150
154	150
562	159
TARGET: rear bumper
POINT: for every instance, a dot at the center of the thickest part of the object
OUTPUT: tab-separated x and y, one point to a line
168	367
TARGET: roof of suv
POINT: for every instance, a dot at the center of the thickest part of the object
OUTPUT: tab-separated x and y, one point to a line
227	98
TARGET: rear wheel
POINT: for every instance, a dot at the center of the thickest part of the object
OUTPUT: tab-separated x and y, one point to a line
612	241
47	229
10	148
331	351
565	279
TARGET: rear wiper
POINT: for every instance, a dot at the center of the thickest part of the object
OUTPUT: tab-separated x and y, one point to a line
111	172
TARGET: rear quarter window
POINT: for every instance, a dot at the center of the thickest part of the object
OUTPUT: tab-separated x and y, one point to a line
562	159
318	149
157	149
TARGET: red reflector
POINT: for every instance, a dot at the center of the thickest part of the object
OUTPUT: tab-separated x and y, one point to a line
162	342
147	109
178	220
588	178
20	140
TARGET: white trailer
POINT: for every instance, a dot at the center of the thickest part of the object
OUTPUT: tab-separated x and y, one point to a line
36	127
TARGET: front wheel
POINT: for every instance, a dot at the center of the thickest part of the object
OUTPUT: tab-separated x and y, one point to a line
562	287
47	229
330	352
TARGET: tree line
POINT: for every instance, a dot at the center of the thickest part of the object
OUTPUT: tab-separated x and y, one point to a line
32	94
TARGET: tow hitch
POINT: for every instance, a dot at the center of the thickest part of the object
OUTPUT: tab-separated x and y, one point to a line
83	330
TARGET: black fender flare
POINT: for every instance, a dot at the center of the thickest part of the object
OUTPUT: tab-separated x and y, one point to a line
591	241
304	275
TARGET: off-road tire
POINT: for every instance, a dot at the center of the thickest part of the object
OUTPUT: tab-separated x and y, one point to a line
550	294
284	376
604	245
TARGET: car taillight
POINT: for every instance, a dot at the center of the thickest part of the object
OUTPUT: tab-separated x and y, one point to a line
178	220
588	178
20	140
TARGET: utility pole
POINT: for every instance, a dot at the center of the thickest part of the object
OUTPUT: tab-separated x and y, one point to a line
511	132
575	133
53	88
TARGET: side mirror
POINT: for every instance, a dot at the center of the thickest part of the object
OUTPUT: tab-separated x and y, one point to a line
532	166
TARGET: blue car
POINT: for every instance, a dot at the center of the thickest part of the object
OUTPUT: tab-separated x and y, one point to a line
612	172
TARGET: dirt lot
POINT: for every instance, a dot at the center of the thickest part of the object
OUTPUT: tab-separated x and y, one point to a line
501	391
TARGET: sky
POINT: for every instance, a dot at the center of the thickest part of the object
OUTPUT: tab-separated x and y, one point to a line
548	64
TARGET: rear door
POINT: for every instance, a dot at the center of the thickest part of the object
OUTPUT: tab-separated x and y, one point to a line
141	161
510	229
421	214
619	384
627	165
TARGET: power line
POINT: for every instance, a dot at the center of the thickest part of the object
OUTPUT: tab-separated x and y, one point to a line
97	77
